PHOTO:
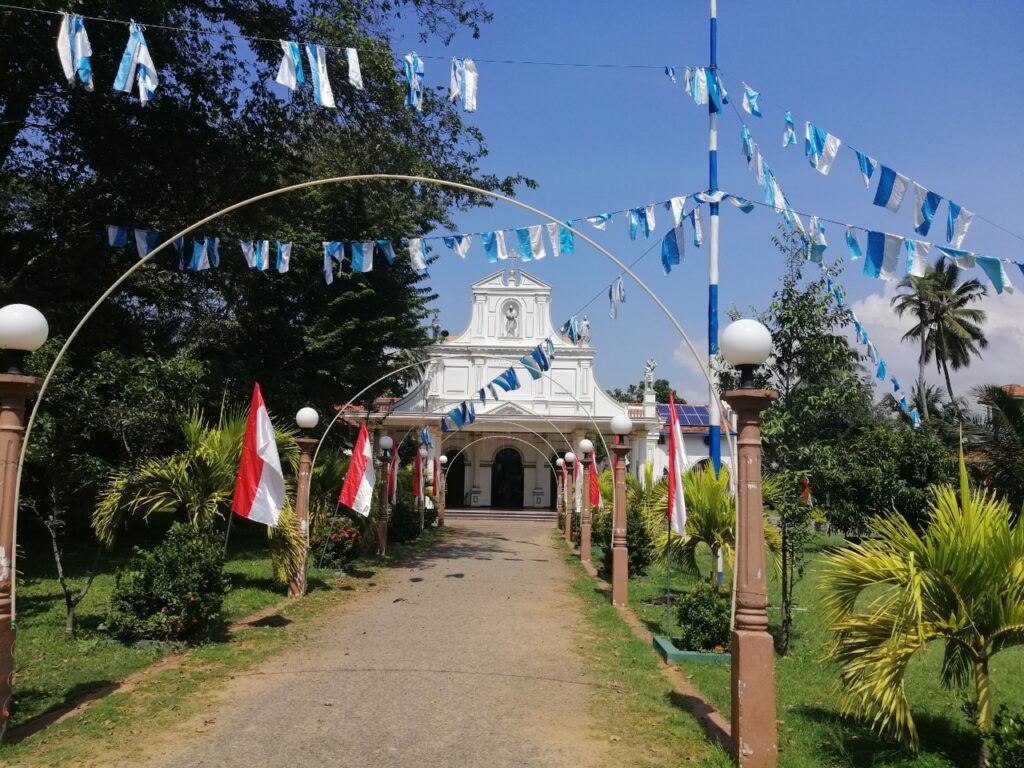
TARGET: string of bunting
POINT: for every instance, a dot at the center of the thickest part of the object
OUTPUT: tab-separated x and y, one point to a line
526	243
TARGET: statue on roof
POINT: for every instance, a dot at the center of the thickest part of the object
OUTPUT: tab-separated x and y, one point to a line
585	330
649	367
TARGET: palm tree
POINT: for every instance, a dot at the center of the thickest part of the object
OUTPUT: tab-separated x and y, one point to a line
1000	438
710	523
958	582
947	327
196	484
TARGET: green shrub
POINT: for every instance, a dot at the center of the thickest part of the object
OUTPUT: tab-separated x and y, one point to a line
403	523
641	550
704	617
173	591
335	542
1006	740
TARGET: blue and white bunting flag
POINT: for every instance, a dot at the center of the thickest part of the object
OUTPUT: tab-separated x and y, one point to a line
676	205
996	271
494	246
563	240
867	166
284	256
464	82
616	296
388	249
74	49
531	243
179	247
600	221
750	98
145	241
673	248
698	229
963	259
362	257
925	205
852	244
915	418
413	68
716	93
333	251
789	134
355	74
741	202
892	186
323	94
818	243
748	145
137	66
882	256
698	86
639	221
257	254
117	237
957	224
289	73
418	255
917	257
670	72
821	148
204	254
881	372
459	243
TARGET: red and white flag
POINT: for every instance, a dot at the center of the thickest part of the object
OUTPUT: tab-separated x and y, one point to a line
393	477
357	492
259	488
596	500
676	467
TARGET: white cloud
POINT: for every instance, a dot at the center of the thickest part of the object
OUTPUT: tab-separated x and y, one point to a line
1001	363
691	384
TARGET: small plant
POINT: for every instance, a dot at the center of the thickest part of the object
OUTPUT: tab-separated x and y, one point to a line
641	550
404	522
1006	740
173	592
336	542
704	616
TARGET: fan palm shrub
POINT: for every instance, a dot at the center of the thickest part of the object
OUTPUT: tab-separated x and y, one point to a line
195	486
959	582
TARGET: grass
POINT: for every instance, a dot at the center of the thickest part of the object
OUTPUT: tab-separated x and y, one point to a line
811	733
53	671
108	732
635	703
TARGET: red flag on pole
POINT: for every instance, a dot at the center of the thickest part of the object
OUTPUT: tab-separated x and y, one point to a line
393	477
357	492
595	489
259	487
676	466
806	495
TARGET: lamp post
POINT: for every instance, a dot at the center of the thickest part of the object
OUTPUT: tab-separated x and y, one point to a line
423	485
306	419
440	493
560	485
386	444
570	495
587	453
23	329
621	425
746	344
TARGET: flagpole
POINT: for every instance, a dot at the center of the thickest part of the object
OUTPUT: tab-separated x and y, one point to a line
668	577
714	414
227	533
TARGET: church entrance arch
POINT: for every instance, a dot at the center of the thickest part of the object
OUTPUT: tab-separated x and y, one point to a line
455	482
507	479
555	480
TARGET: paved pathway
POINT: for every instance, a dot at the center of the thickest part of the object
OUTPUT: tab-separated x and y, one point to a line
469	658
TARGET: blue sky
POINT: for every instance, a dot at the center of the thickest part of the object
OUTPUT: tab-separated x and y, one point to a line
930	89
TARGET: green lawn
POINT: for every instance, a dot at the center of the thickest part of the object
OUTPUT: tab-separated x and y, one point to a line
53	671
811	734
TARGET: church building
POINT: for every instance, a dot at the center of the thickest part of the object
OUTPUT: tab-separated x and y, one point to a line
506	458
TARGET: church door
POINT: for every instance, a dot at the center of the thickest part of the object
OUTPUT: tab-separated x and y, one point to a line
507	480
455	483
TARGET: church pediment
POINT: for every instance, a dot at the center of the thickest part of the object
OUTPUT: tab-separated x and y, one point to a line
501	282
509	409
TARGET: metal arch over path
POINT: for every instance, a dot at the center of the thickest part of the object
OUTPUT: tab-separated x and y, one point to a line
310	185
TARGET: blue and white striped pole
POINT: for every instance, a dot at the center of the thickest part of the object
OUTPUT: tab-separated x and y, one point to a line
714	415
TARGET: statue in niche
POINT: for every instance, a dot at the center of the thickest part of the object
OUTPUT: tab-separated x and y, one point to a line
511	319
649	367
585	330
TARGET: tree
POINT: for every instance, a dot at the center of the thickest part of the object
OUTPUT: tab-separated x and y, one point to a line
74	161
958	582
634	393
1000	438
947	327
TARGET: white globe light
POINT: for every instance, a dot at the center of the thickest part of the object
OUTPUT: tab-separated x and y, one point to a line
621	424
745	342
423	451
443	460
387	443
586	446
570	458
307	418
22	328
560	461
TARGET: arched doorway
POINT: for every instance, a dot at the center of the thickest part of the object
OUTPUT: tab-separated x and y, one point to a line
507	479
555	480
455	482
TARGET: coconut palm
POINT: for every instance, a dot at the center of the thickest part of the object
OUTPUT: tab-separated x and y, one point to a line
958	582
947	328
196	485
710	522
1000	438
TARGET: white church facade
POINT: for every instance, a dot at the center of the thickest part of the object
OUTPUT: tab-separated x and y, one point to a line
505	459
